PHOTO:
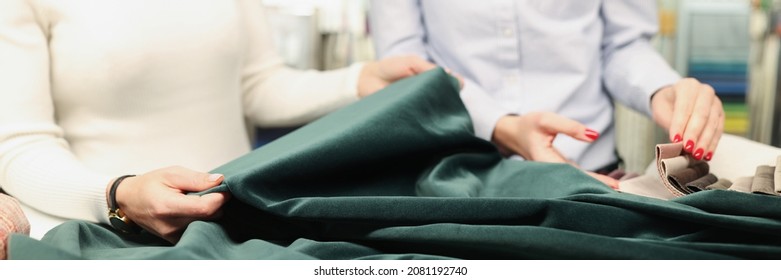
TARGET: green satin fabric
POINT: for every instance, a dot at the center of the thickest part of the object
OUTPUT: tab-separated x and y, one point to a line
400	175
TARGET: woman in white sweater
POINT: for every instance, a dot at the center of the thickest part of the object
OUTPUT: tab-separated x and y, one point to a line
91	90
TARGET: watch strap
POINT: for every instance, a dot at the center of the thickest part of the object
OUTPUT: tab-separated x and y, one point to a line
116	217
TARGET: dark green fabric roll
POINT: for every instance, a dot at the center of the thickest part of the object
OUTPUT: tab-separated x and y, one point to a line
400	175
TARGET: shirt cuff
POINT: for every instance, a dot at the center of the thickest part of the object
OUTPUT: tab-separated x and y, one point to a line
647	85
484	111
653	85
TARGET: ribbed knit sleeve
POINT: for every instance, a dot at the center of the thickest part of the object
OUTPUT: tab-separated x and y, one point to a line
36	165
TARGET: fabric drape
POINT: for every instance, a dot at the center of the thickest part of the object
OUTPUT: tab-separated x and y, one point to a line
400	175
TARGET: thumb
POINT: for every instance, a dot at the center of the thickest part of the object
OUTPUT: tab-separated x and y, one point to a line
192	181
204	206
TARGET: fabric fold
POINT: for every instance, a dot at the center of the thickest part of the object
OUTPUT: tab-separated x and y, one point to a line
681	174
680	178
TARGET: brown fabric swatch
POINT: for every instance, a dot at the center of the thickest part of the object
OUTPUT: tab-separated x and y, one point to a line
721	184
679	179
665	151
702	183
742	184
763	180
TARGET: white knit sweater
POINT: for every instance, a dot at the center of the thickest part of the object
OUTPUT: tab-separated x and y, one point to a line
94	89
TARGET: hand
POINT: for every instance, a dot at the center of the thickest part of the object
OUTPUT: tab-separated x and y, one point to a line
376	75
157	200
12	220
531	136
691	112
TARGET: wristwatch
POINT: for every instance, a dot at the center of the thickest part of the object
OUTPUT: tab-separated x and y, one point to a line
116	217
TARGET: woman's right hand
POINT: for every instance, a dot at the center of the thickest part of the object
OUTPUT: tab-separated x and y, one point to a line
158	201
531	136
12	220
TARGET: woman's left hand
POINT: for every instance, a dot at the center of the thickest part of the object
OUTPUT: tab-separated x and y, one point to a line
691	112
376	75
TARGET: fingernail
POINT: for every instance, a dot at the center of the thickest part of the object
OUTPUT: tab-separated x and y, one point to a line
592	134
698	154
215	177
709	156
689	146
677	138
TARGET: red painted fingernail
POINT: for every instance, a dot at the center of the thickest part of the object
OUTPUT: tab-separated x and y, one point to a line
689	146
677	138
592	134
698	154
709	156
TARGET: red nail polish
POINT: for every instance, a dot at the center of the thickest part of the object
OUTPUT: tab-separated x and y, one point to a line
592	134
698	154
709	156
677	138
689	146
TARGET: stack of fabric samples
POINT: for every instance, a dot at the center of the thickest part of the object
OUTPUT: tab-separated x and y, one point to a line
681	174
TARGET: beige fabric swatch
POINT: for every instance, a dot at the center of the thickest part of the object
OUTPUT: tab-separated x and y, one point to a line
663	152
648	185
628	176
742	184
670	165
763	182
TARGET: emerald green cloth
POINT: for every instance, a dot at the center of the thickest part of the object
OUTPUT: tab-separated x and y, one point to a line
400	175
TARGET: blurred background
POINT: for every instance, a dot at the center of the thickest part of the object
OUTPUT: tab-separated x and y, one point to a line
733	45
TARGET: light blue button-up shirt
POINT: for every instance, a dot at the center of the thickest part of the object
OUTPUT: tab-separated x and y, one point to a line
572	57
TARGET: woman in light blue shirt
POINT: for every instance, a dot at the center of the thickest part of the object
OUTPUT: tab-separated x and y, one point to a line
534	69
